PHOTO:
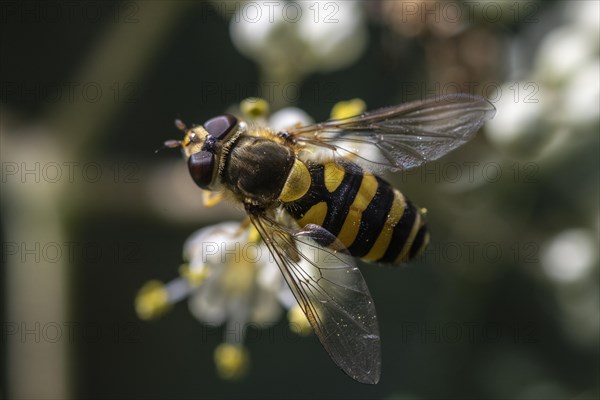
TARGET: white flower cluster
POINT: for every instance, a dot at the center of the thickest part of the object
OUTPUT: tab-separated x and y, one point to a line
301	37
243	284
559	101
230	280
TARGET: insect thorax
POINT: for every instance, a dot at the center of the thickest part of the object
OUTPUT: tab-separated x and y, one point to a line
257	169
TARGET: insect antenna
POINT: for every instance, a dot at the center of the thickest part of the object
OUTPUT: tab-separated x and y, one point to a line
169	144
172	144
179	124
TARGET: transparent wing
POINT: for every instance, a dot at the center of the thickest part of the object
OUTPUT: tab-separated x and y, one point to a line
403	136
332	293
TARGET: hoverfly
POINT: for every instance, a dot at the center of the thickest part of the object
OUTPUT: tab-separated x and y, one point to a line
314	195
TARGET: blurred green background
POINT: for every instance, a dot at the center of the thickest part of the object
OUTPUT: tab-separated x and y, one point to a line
504	304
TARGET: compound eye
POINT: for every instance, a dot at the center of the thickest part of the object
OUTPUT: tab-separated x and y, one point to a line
201	165
219	127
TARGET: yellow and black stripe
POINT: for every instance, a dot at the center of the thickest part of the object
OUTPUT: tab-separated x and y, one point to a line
371	218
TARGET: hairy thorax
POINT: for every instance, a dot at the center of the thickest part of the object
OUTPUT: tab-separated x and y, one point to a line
257	169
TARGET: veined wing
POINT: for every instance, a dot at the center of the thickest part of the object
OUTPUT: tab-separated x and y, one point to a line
331	292
403	136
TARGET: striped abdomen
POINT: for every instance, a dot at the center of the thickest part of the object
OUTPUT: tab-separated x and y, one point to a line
371	218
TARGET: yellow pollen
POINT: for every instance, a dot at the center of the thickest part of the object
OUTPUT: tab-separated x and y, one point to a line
347	109
254	107
298	322
232	361
152	300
